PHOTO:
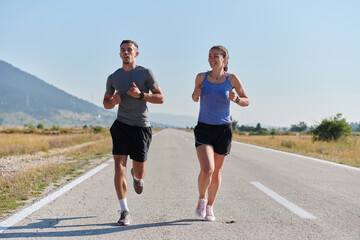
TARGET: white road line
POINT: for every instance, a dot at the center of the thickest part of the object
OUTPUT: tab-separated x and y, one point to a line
289	205
36	206
156	133
301	156
17	217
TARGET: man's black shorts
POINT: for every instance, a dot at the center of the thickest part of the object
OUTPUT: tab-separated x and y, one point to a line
218	136
131	140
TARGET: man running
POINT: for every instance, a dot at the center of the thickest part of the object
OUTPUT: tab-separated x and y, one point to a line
131	133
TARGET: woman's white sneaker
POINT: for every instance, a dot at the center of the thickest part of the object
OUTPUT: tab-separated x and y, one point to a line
209	213
201	208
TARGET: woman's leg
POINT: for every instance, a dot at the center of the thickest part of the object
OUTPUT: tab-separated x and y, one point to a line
216	178
205	155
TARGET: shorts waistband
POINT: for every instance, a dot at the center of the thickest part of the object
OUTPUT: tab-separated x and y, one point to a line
128	125
227	125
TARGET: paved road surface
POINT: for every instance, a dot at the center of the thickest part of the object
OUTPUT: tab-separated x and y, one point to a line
264	195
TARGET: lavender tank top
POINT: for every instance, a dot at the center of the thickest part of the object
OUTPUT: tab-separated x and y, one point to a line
214	102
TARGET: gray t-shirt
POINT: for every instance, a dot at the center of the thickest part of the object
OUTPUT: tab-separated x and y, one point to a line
132	111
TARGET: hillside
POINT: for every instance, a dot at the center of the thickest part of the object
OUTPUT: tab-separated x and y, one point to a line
26	99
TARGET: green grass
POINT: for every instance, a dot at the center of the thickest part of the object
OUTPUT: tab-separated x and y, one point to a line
14	190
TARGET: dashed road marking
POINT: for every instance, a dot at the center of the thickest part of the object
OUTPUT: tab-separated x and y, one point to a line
289	205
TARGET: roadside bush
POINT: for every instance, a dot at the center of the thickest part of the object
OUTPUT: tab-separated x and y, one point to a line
55	128
260	132
98	129
300	127
332	129
273	132
31	129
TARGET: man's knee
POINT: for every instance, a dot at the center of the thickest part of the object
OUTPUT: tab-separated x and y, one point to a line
120	169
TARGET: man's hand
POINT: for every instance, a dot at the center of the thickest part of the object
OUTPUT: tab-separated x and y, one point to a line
134	91
116	98
111	100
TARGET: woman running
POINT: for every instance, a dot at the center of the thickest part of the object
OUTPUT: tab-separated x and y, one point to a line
213	132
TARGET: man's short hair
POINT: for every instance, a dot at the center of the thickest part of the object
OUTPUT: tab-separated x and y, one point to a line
130	41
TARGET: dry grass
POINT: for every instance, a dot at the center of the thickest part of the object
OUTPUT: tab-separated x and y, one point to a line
19	143
96	150
345	151
67	156
32	174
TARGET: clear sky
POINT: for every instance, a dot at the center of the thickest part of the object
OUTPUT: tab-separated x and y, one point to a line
298	60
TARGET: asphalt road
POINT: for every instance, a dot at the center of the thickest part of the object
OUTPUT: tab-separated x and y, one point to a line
264	195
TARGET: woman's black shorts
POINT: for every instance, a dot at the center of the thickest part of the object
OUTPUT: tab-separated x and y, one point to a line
218	136
131	140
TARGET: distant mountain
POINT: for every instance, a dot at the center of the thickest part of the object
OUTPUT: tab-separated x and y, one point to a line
161	125
266	126
26	99
355	126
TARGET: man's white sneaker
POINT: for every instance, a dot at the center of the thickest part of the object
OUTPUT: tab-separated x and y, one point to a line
138	184
201	208
209	213
125	218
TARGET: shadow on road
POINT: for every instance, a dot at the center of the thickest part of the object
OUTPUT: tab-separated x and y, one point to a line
102	228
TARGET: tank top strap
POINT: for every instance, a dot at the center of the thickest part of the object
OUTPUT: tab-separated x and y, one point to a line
205	75
205	80
227	76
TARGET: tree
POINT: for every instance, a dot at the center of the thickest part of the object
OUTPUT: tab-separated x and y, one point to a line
259	130
234	124
331	129
246	128
301	126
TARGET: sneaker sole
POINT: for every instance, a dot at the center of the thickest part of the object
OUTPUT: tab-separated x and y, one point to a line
123	224
199	215
138	190
209	220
